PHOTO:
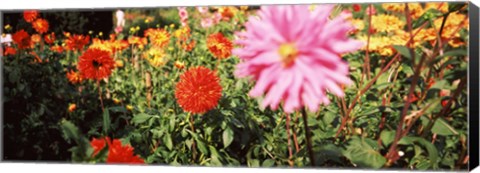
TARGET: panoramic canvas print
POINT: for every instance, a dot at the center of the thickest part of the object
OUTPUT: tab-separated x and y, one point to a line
370	85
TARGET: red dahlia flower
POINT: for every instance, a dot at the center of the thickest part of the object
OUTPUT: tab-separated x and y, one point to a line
198	90
96	64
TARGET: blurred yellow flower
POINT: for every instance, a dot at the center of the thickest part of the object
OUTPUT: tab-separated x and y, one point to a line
7	27
243	8
386	23
129	107
441	6
395	7
100	33
179	64
155	56
119	63
158	37
116	101
358	23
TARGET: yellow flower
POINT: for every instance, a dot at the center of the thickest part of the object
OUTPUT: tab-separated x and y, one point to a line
243	8
172	25
386	23
90	32
395	7
119	63
179	65
7	27
155	56
441	6
358	23
129	107
456	42
158	37
147	21
137	28
116	101
379	44
416	10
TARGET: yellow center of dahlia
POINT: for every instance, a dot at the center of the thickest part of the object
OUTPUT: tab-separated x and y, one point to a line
288	53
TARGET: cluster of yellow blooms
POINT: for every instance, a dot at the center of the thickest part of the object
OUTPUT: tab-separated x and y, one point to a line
389	29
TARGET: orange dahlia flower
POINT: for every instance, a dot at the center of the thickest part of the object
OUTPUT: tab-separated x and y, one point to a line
77	42
158	37
198	90
57	48
30	15
74	77
220	46
49	38
36	38
72	107
96	64
40	25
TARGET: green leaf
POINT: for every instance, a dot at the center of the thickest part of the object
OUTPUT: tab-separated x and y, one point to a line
167	140
387	137
106	121
118	109
431	149
140	118
441	127
227	137
201	146
404	51
254	163
268	163
363	154
70	131
454	52
442	84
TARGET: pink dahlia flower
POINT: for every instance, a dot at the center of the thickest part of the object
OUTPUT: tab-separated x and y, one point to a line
294	55
182	12
202	10
206	22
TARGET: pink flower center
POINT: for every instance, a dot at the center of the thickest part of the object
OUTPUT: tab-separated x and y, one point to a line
288	53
